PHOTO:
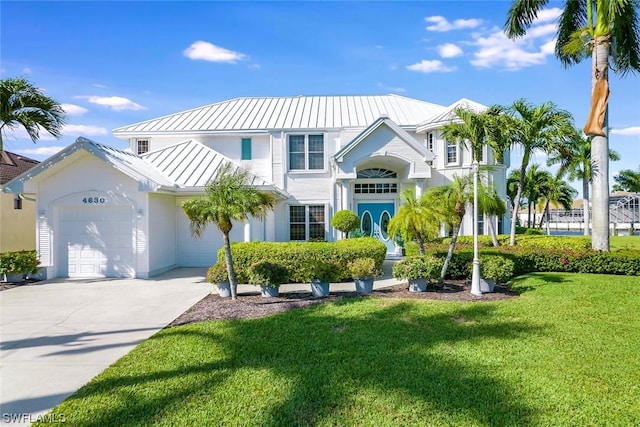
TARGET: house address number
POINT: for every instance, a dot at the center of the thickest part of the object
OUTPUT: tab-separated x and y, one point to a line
94	200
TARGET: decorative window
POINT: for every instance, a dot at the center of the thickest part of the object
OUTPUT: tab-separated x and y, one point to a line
452	152
376	188
306	152
306	222
429	140
142	146
17	202
377	173
246	149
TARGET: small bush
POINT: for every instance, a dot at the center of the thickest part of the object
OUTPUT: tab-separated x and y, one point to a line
418	267
217	273
268	274
19	262
362	268
345	221
533	232
497	268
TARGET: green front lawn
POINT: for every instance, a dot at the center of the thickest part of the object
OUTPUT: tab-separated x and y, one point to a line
566	352
624	242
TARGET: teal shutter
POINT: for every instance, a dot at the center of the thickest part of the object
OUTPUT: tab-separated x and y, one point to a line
246	149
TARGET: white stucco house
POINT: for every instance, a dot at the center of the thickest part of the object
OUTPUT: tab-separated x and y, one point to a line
103	212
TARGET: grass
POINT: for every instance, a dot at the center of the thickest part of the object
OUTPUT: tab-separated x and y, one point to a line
564	353
624	242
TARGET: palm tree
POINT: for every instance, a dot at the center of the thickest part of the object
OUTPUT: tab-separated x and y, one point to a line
543	127
228	197
557	191
574	159
491	205
627	180
23	104
535	180
600	29
416	220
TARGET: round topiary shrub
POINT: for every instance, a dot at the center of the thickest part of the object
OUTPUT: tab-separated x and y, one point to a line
345	221
496	268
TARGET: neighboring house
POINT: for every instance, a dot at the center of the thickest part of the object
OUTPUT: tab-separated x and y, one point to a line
17	211
107	212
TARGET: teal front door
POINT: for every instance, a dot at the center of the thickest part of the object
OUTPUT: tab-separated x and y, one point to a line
374	220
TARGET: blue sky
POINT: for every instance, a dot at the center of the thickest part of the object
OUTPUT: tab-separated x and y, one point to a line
116	63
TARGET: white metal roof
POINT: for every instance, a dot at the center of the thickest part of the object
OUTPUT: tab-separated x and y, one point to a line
448	114
296	112
191	164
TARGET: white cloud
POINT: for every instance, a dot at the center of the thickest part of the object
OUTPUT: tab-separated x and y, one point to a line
40	151
98	85
441	24
73	110
86	130
209	52
630	131
26	71
426	66
20	133
495	50
449	50
116	103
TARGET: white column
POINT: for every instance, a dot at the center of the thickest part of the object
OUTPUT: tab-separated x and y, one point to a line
419	187
247	231
345	193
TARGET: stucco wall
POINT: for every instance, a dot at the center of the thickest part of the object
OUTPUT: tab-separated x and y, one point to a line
17	226
162	233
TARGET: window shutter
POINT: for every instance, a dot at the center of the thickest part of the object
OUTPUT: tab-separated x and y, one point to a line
246	149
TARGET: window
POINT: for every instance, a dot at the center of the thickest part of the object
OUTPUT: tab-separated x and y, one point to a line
429	140
376	188
17	202
306	222
246	149
306	152
142	146
452	152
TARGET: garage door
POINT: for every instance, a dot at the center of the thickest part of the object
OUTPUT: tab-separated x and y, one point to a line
97	241
201	252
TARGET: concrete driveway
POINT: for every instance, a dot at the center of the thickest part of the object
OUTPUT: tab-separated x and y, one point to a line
57	335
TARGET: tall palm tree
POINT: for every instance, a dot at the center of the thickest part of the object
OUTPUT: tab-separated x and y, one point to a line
535	182
605	30
416	219
557	191
542	127
575	163
228	197
627	180
491	205
23	104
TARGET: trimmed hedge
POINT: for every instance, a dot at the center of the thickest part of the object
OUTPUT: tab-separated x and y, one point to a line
19	262
299	256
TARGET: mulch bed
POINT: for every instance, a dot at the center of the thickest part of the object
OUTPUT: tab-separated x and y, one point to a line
212	307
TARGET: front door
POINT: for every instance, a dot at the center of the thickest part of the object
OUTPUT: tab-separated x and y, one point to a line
374	220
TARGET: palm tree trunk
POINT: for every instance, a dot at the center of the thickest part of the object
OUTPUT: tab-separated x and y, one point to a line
233	280
529	214
492	231
452	246
600	155
585	205
544	212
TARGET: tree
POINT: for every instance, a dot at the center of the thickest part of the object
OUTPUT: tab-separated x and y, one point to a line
557	191
543	127
417	220
491	205
345	221
575	163
228	197
627	180
534	183
604	30
23	104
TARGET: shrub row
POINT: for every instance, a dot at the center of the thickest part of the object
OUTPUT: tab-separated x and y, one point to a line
19	262
298	256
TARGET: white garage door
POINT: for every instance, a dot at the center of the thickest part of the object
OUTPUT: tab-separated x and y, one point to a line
97	241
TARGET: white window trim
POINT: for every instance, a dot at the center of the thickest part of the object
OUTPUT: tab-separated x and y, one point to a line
137	145
306	169
457	161
307	222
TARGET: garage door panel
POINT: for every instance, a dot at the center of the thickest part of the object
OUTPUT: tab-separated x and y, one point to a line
97	241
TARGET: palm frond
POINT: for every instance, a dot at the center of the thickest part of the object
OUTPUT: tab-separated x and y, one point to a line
521	15
625	34
574	35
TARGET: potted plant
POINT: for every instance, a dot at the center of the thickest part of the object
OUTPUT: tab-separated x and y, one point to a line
321	273
363	271
495	269
14	266
418	271
269	276
218	275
